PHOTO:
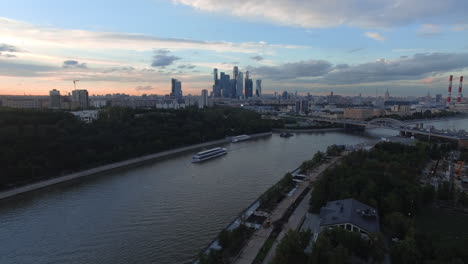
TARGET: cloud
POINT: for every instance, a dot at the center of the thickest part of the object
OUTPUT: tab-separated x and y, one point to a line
7	55
17	69
408	68
74	64
8	48
355	50
416	67
325	13
429	30
163	59
186	66
145	88
53	38
375	36
310	68
257	58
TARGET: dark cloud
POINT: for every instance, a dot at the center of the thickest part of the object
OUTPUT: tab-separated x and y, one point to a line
410	68
163	59
341	66
186	66
74	64
8	48
120	69
414	67
145	88
257	58
311	68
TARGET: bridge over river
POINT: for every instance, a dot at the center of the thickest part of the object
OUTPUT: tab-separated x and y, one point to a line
405	128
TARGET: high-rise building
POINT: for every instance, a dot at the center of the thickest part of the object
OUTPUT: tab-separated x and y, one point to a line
235	72
232	88
215	74
285	95
203	99
248	85
54	99
216	86
438	98
176	89
80	99
258	90
240	86
225	85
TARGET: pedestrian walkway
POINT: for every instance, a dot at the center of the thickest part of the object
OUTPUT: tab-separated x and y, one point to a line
253	246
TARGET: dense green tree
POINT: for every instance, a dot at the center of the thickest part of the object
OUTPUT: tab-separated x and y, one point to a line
397	225
36	145
291	248
405	252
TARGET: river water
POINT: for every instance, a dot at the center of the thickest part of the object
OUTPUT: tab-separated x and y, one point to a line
163	212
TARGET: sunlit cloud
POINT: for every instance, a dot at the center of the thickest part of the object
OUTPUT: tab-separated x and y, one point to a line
374	36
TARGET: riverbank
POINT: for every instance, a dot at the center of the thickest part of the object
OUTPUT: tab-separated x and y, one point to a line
114	166
307	130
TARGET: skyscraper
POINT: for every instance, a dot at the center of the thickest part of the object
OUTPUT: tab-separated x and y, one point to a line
80	99
54	99
235	72
240	85
176	88
216	85
248	85
215	74
225	85
258	90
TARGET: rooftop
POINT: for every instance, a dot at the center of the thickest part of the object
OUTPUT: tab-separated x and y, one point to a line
350	211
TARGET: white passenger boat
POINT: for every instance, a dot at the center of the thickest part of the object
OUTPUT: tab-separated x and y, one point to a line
209	154
239	138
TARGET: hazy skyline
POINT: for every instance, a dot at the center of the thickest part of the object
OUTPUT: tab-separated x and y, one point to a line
136	47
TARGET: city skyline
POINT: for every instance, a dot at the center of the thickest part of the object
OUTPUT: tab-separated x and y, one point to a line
410	48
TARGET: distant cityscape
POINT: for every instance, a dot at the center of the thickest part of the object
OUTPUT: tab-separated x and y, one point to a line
238	91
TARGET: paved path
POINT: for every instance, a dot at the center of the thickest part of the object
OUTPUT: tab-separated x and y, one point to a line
293	223
250	251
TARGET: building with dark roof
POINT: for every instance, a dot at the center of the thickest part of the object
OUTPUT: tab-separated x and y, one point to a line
351	215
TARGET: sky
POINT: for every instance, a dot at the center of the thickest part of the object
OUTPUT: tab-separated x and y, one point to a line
409	47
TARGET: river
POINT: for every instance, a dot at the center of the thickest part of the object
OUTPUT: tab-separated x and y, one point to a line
163	212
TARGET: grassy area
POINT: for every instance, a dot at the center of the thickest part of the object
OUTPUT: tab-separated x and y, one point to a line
447	223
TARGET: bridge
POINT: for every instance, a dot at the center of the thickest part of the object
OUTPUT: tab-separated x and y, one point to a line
405	128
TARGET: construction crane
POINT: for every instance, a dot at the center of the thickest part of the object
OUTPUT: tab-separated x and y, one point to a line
74	83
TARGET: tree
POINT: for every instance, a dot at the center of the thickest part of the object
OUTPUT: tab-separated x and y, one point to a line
397	225
291	248
405	252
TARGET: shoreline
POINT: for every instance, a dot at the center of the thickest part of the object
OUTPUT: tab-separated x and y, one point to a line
113	166
307	130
